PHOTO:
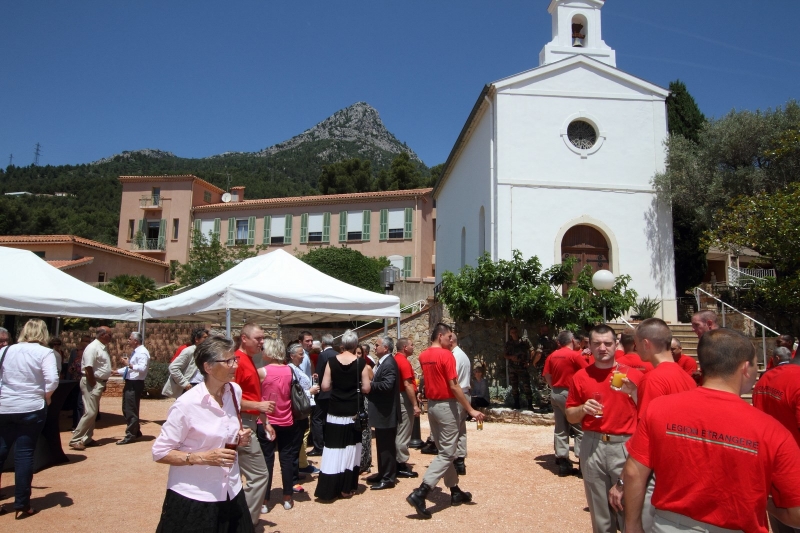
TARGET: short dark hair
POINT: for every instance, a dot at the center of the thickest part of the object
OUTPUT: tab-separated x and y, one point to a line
706	314
210	349
402	342
579	335
365	348
304	334
197	333
601	329
439	329
657	332
721	351
628	339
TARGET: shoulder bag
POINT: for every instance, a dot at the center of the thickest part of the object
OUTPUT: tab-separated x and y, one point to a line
301	405
361	418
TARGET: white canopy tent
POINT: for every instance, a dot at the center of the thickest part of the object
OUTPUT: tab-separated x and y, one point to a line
274	288
33	287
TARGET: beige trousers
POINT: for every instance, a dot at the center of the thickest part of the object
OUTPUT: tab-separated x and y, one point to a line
91	405
558	399
254	469
443	417
601	464
404	428
666	522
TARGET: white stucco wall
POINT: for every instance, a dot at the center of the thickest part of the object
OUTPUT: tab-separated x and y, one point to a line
461	197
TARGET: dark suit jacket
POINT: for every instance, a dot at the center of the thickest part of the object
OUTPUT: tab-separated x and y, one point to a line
384	397
322	362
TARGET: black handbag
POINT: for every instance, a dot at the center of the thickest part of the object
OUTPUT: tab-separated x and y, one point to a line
361	418
301	405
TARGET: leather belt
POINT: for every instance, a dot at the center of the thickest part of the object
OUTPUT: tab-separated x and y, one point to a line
606	437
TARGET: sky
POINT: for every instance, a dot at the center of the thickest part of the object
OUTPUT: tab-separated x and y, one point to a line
89	79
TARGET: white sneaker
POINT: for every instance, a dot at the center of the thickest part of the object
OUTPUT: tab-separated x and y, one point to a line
264	509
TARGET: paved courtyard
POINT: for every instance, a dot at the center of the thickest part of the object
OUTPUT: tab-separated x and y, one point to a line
510	472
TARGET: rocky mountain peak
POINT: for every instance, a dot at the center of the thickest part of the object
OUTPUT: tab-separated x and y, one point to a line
133	154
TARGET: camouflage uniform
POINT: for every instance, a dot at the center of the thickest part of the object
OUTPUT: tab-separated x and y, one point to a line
541	391
518	370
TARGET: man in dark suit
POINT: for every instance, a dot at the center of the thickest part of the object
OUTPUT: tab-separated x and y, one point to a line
320	413
384	412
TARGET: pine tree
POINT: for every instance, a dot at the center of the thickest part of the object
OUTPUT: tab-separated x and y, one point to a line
684	117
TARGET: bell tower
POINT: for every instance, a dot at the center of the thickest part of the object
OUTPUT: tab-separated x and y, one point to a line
576	30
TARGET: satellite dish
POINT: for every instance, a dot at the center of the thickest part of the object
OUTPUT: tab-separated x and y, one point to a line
226	197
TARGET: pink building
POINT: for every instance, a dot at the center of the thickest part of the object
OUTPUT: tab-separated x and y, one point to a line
159	212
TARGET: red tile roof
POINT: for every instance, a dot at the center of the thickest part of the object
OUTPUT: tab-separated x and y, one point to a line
178	177
66	264
317	200
61	239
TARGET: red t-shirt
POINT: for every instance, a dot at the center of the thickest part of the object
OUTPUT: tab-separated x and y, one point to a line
633	360
777	393
666	378
248	380
716	458
687	363
405	370
178	352
562	364
619	411
438	366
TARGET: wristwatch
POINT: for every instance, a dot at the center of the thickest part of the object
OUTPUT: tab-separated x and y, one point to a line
620	483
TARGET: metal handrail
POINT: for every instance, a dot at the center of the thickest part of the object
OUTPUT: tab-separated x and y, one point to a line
764	327
419	305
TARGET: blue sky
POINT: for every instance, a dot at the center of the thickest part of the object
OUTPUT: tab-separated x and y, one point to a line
90	79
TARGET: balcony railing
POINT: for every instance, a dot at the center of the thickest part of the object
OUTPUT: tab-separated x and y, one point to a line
748	277
148	245
150	202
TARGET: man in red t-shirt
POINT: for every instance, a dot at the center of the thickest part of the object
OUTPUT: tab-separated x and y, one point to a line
444	396
783	341
608	418
559	367
251	458
716	458
688	364
629	356
653	340
409	409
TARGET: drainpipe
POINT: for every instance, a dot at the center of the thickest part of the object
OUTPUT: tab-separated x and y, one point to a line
493	182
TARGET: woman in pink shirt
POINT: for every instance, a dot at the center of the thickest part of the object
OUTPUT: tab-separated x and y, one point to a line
276	383
198	440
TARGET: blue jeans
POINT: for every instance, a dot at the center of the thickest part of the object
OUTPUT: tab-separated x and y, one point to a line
22	429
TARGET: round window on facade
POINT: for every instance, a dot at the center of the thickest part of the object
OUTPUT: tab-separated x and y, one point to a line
581	134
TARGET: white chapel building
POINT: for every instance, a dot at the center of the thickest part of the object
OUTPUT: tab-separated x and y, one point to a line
557	161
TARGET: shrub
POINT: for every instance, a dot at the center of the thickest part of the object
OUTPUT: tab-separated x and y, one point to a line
157	376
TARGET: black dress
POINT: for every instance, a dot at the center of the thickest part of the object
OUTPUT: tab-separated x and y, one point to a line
341	457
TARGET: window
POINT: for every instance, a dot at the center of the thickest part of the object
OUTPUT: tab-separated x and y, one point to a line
241	231
207	227
278	229
581	134
156	195
175	225
153	227
131	226
101	277
401	263
207	197
396	223
355	225
315	227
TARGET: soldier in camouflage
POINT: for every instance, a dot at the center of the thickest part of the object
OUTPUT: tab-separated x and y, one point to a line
519	355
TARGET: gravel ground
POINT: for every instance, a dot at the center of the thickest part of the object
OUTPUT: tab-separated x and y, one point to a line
510	472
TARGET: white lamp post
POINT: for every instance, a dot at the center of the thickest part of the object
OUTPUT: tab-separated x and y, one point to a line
603	280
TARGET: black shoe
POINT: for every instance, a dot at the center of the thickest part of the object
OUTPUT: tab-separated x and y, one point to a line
383	485
314	453
126	440
429	449
565	469
560	460
458	496
461	468
417	500
374	478
407	474
138	434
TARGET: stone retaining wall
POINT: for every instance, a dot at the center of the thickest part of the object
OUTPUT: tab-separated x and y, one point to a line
512	416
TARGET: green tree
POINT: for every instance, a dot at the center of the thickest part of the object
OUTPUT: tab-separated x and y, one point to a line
208	258
683	115
352	175
522	290
403	174
134	288
348	265
436	173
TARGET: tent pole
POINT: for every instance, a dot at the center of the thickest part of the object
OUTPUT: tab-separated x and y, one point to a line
58	325
228	323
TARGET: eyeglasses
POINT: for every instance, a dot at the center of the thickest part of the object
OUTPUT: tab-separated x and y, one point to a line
233	361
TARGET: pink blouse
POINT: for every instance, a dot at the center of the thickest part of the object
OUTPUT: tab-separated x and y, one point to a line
278	381
195	423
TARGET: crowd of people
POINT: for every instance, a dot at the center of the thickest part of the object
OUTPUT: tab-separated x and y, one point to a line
663	444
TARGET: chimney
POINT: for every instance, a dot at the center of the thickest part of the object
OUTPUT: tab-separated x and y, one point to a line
238	193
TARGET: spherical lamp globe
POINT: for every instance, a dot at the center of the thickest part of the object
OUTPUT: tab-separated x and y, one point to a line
603	280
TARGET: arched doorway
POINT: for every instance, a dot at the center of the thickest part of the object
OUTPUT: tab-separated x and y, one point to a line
588	246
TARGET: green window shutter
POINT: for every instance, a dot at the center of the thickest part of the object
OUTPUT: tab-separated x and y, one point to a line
140	237
287	234
251	231
326	227
267	233
342	226
217	230
365	226
231	231
408	223
384	231
304	228
407	266
197	226
162	234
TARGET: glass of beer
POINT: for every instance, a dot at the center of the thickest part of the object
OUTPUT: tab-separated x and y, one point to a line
620	373
598	397
479	424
